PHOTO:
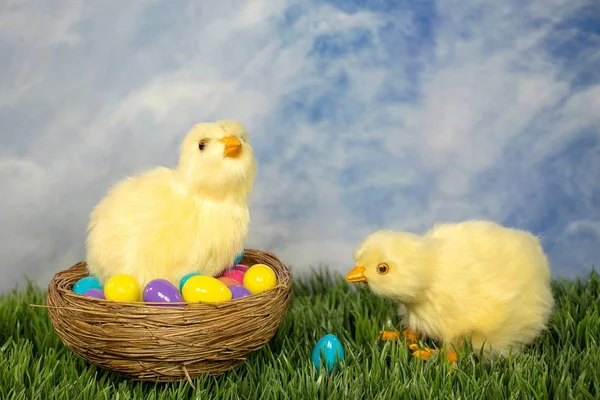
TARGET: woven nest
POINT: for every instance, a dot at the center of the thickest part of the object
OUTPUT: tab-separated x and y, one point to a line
157	343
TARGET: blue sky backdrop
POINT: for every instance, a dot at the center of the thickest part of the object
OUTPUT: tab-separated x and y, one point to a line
363	115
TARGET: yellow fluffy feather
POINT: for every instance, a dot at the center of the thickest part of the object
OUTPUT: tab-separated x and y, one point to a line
474	280
166	223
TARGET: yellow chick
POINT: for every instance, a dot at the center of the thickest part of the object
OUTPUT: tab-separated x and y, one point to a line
474	280
166	223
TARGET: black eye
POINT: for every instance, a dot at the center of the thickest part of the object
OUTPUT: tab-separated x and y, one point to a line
202	145
383	269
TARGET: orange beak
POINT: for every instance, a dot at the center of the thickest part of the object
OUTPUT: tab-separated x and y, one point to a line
233	146
356	275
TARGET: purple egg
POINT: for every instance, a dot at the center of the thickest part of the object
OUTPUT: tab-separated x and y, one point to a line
238	291
95	293
162	291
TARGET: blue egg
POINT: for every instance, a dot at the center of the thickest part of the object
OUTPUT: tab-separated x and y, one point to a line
185	278
329	348
85	284
238	258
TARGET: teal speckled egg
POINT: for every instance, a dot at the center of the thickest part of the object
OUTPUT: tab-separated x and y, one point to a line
85	284
330	349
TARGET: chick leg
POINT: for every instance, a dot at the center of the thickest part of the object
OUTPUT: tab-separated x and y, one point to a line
411	336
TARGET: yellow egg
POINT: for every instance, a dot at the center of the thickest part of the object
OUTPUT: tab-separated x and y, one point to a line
200	288
122	288
259	277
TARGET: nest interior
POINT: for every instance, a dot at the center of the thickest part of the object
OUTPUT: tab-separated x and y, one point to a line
158	343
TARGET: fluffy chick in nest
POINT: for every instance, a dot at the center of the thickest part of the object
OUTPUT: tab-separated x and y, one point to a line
474	280
166	223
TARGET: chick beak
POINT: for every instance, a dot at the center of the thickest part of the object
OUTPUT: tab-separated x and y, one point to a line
356	275
233	146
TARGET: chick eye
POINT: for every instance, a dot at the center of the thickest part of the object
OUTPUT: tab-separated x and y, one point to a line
383	269
202	145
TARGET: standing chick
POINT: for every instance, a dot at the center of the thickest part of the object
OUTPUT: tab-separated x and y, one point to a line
474	280
166	223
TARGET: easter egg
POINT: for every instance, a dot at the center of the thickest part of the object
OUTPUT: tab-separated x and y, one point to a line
238	291
162	291
238	258
330	349
205	289
95	293
259	277
241	267
234	274
85	284
228	281
186	277
123	288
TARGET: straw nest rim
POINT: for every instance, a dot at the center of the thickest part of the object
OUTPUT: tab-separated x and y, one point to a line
150	342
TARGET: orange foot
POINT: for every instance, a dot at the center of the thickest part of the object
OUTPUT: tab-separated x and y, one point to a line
451	356
424	354
389	335
411	336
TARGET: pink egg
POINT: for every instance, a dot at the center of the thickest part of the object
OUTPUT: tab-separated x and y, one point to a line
228	281
241	267
235	275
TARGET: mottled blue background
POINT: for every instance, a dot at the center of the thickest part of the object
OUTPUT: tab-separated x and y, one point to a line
363	115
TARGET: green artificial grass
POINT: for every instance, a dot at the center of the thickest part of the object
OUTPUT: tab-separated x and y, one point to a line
564	363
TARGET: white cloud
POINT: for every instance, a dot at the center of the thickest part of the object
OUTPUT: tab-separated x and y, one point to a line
95	92
40	24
